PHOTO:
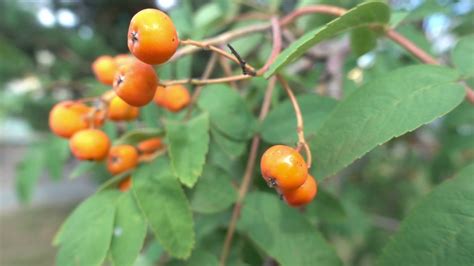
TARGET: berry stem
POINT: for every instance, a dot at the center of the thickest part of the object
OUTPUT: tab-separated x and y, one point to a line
299	120
247	178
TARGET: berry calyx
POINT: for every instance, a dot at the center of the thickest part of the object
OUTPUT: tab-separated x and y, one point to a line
283	167
90	144
136	83
302	195
122	158
152	36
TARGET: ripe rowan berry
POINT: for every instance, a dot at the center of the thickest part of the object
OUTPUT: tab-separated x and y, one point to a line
119	110
302	195
68	117
284	167
104	68
135	83
152	37
122	59
149	145
122	158
90	144
174	97
125	184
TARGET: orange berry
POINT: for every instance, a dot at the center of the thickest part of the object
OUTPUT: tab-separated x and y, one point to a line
122	59
104	68
125	184
152	37
90	144
173	97
119	110
68	117
284	167
122	158
302	195
149	145
135	83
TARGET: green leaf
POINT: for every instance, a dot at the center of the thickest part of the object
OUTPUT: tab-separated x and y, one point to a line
55	164
283	233
202	257
188	145
463	55
137	135
365	14
214	191
440	229
85	167
85	236
387	107
326	207
233	148
129	232
363	40
227	111
280	124
163	203
28	171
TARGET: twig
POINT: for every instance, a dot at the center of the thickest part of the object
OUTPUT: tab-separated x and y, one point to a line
227	70
411	47
236	58
247	178
197	91
276	35
207	81
242	62
299	120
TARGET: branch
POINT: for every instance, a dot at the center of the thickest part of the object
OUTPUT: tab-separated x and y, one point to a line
207	81
197	91
276	33
299	120
247	178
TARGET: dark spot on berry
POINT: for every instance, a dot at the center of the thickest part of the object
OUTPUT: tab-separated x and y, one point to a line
134	36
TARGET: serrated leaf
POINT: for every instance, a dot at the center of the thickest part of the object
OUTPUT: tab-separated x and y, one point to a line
384	108
129	232
365	14
134	136
28	171
214	191
85	236
227	111
280	124
363	40
165	207
233	148
440	229
188	145
283	233
326	207
463	55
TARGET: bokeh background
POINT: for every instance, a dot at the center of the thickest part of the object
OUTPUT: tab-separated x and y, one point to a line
46	49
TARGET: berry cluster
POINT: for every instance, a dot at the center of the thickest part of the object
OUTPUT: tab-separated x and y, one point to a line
285	169
152	39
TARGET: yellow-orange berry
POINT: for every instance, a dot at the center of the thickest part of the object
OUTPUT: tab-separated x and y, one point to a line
173	97
122	158
104	68
90	144
152	37
149	145
302	195
136	83
125	184
68	117
283	167
119	110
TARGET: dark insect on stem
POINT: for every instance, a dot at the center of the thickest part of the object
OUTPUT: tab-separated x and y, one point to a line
241	61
